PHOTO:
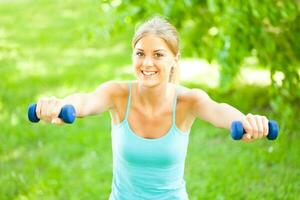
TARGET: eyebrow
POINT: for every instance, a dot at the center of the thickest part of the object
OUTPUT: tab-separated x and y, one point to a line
154	50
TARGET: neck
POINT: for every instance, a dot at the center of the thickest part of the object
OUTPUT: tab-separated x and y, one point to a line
153	97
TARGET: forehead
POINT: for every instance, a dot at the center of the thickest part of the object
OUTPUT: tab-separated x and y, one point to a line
151	42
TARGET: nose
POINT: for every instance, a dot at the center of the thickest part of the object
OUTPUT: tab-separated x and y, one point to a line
148	62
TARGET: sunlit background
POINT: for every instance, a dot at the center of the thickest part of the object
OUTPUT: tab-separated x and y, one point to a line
245	53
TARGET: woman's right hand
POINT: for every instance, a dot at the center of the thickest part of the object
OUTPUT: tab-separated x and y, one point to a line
48	109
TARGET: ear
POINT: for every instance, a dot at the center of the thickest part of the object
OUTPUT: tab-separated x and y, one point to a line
177	57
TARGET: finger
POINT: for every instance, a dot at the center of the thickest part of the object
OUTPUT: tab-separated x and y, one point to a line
55	109
252	122
245	138
57	121
48	108
43	108
260	128
38	108
247	127
265	125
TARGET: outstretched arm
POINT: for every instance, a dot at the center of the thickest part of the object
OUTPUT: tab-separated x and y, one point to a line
92	103
222	115
85	104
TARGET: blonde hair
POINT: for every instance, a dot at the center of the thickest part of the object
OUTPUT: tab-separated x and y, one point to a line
166	31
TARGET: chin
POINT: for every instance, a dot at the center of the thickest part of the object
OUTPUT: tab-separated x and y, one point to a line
149	83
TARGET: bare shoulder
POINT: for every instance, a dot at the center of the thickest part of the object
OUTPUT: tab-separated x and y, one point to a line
114	88
191	95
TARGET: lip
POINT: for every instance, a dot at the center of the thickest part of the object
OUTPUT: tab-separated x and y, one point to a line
148	76
148	71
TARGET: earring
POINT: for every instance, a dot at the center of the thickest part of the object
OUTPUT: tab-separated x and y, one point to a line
172	70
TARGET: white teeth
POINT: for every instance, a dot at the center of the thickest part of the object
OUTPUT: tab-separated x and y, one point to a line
148	73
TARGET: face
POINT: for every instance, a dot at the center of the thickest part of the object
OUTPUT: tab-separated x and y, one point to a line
153	60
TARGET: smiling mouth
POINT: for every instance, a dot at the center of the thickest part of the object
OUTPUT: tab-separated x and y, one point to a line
148	74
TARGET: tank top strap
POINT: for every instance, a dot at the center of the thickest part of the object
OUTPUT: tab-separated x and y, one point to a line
128	101
174	107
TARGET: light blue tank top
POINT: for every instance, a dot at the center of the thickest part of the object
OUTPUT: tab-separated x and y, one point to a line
148	169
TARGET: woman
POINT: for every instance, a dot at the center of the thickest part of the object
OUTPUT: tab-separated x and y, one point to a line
152	117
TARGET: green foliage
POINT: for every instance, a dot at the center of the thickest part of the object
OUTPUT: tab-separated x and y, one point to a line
55	48
228	32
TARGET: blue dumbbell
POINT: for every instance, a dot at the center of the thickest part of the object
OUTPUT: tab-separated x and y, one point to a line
237	130
67	114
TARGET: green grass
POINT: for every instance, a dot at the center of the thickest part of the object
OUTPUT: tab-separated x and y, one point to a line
53	48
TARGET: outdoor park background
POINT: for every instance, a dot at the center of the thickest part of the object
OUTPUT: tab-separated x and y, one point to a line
245	53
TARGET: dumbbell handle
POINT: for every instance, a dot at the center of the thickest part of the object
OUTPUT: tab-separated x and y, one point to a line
67	114
237	130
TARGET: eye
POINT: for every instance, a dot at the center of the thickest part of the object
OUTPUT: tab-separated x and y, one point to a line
139	54
158	55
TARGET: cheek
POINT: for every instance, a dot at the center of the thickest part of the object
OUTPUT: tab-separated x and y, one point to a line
136	67
136	62
167	65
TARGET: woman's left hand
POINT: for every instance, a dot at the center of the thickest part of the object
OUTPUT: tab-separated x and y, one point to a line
256	127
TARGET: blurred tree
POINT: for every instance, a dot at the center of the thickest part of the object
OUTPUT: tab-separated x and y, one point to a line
228	32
